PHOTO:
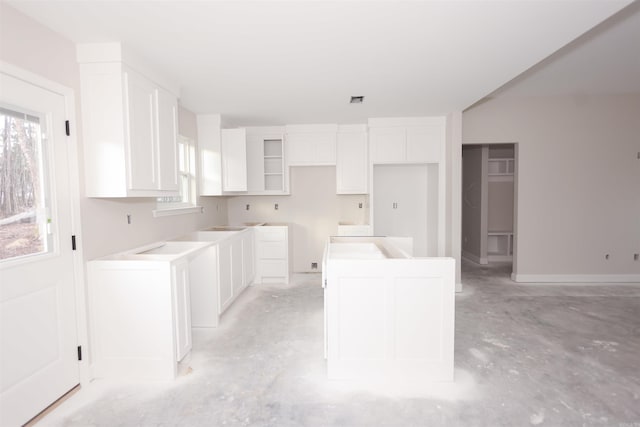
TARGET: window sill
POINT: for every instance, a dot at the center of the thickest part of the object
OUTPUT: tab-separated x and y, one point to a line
177	211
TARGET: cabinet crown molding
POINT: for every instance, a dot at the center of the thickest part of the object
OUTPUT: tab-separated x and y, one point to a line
406	121
92	53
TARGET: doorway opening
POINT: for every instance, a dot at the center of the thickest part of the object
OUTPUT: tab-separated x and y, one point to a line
489	192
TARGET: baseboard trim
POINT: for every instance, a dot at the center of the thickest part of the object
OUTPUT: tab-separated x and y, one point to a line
576	278
474	258
500	258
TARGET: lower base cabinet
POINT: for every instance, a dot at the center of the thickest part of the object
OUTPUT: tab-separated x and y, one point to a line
216	283
272	254
140	317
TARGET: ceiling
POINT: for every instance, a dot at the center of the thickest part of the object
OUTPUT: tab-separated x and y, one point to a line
272	63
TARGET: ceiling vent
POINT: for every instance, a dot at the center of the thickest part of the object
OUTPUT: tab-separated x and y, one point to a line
357	99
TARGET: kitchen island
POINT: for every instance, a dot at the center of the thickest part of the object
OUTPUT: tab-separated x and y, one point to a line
388	315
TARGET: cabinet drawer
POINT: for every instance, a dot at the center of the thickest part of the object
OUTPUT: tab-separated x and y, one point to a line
272	250
271	234
273	268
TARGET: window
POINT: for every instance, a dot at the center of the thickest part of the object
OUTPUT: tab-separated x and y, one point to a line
185	202
24	222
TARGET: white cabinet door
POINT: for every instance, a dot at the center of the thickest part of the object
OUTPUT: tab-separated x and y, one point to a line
209	149
236	266
181	308
167	114
423	144
225	266
311	148
255	163
299	149
234	159
400	204
248	258
388	145
352	163
140	98
325	149
272	254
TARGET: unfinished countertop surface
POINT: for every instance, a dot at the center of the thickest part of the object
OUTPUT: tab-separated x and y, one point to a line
158	251
368	247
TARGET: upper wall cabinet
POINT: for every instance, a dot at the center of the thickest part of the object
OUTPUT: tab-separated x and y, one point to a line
234	159
266	162
311	145
412	140
129	124
352	163
210	149
247	161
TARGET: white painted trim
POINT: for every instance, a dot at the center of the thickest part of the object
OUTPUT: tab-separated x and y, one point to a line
576	278
74	200
474	258
499	258
405	121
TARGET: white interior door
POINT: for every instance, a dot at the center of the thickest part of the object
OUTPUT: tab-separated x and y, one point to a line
38	336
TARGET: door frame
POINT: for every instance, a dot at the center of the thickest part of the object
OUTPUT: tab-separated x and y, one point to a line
74	192
516	158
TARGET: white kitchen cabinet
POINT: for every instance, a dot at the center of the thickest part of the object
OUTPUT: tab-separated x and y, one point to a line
272	254
225	278
210	149
219	279
413	142
234	159
248	258
167	108
182	308
140	99
129	128
388	145
388	316
230	280
237	268
311	145
266	163
139	308
352	163
405	201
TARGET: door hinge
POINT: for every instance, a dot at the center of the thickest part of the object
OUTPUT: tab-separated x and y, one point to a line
67	127
79	353
73	242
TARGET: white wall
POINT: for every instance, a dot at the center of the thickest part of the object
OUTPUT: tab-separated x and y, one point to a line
313	210
578	182
29	45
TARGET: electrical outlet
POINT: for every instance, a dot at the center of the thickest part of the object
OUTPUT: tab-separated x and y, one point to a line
129	219
247	208
360	205
606	256
276	206
314	265
636	257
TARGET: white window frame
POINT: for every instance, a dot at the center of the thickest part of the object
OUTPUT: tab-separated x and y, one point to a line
187	178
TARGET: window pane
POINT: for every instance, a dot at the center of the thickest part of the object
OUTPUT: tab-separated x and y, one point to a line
23	215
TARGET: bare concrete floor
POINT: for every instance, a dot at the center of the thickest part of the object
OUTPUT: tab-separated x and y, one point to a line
553	355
